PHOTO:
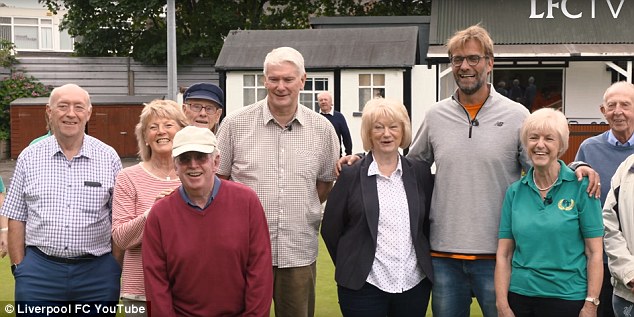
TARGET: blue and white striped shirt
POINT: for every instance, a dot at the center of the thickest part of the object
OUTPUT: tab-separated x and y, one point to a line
66	204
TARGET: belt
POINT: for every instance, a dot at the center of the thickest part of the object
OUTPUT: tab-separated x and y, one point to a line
79	259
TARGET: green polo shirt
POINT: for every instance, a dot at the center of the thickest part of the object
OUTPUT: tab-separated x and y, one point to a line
549	258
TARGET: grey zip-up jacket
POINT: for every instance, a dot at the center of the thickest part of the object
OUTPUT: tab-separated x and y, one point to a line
476	160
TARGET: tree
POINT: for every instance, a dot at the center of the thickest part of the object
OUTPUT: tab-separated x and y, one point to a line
138	28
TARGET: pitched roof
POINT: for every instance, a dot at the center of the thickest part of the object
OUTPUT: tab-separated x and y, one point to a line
390	47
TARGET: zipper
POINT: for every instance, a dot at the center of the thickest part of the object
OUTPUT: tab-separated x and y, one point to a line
472	122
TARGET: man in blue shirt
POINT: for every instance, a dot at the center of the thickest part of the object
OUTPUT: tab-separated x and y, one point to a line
605	152
337	119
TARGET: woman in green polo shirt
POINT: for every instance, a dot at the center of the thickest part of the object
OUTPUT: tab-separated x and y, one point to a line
549	257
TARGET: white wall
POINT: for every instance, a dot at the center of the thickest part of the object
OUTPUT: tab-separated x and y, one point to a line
233	91
423	93
585	84
350	98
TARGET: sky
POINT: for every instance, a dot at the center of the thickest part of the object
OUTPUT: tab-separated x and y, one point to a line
22	3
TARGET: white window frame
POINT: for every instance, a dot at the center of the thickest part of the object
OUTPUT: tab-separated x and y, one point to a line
257	87
313	91
54	34
374	87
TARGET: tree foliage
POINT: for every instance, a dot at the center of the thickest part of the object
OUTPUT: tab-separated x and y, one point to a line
139	28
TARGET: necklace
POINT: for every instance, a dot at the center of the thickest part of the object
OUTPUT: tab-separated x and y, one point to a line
543	189
166	176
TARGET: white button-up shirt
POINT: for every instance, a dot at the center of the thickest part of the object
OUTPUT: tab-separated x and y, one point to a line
395	268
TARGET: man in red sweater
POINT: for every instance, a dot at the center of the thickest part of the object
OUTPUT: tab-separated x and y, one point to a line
206	248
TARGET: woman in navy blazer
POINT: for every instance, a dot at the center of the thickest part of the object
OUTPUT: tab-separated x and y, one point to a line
375	223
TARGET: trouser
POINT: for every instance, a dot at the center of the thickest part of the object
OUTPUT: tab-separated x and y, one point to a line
456	281
622	307
370	301
294	291
528	306
93	284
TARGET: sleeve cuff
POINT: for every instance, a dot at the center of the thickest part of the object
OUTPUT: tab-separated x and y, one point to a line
577	164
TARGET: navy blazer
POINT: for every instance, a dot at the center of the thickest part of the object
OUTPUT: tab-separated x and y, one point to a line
351	219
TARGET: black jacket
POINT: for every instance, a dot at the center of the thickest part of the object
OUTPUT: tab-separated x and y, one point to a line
351	219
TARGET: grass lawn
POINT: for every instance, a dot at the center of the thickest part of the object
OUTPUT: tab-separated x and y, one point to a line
326	301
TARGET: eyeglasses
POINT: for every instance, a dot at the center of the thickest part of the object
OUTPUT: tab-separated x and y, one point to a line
187	157
472	60
380	129
196	107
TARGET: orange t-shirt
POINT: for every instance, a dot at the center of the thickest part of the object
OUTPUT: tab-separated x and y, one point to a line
473	109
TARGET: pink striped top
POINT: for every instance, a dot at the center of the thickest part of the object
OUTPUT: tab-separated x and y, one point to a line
135	191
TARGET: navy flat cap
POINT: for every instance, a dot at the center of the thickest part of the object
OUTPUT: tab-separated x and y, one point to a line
205	91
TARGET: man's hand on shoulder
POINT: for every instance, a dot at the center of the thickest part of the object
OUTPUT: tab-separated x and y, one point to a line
348	159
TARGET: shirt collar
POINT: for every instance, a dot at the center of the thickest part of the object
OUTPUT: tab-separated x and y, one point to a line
53	147
614	141
373	169
331	112
565	174
299	114
214	192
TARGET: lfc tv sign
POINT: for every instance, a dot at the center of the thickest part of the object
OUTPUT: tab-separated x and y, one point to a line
568	9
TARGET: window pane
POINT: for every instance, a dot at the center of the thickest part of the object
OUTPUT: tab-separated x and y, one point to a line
248	95
539	87
260	79
5	32
364	80
309	84
32	21
306	99
379	79
26	37
5	20
321	84
261	93
65	41
248	80
46	22
47	38
378	93
364	95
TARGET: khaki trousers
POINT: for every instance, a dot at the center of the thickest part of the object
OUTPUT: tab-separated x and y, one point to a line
294	291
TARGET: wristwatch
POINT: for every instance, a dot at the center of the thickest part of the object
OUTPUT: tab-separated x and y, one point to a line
595	301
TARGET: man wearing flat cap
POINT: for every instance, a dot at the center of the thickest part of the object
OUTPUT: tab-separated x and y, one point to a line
206	248
203	104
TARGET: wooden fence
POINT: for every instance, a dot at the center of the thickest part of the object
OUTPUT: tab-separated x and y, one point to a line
112	75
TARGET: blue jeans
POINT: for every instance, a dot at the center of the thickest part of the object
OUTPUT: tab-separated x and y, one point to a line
41	281
370	301
622	307
456	281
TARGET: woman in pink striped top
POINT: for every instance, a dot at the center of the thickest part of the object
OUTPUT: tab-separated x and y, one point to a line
139	186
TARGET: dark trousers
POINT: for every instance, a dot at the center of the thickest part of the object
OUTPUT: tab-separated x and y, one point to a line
370	301
605	308
42	282
527	306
